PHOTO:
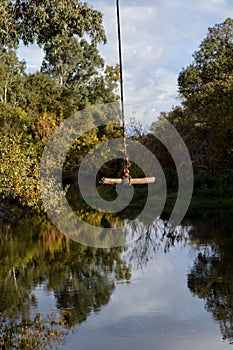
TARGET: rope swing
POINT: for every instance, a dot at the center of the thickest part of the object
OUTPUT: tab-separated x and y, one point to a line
126	178
122	108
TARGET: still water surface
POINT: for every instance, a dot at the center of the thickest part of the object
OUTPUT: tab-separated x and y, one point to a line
162	292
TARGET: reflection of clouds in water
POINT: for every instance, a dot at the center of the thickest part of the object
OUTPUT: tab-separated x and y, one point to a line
151	239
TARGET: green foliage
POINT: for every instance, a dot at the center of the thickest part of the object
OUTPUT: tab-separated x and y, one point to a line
19	169
86	143
73	76
90	83
14	118
213	62
207	186
206	119
41	21
62	56
42	95
12	72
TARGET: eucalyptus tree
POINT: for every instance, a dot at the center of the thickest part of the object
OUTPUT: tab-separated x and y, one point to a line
40	21
12	73
76	65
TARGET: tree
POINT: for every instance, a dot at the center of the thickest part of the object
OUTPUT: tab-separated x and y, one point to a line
73	77
62	56
42	95
12	72
206	89
19	169
78	68
42	20
213	62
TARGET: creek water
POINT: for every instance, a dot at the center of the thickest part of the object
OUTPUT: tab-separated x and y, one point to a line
162	291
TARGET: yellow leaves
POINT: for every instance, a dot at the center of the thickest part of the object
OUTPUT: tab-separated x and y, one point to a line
199	125
18	169
46	124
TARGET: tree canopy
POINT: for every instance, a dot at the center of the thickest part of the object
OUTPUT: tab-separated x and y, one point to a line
205	119
39	21
72	77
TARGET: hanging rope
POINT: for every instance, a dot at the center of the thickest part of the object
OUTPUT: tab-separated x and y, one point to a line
122	109
125	179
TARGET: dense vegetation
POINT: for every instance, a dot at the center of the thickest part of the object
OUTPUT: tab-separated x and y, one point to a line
73	76
205	117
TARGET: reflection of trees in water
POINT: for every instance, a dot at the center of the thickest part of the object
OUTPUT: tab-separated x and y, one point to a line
211	276
82	294
82	278
89	282
34	253
153	238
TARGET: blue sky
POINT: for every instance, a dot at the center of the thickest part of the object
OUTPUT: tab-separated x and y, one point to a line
158	38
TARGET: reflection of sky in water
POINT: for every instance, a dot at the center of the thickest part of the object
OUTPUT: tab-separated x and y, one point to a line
155	311
45	300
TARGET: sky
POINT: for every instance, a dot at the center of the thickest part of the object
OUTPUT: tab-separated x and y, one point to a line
158	40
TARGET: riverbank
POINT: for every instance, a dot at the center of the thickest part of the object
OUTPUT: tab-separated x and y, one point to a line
201	205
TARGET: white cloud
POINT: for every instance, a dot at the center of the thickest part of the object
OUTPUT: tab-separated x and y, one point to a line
217	2
158	39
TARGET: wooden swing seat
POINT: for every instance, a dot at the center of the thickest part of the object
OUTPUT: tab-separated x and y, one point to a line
127	181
